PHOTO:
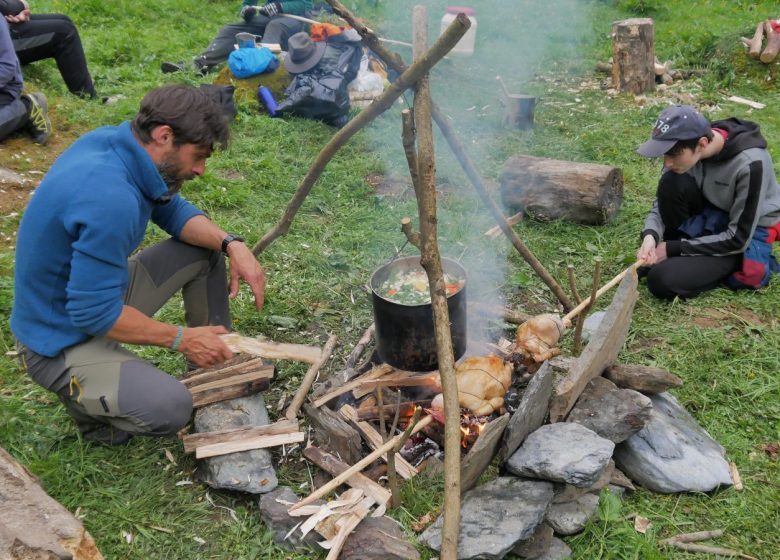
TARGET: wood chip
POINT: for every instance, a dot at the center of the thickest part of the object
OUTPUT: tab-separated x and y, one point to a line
735	477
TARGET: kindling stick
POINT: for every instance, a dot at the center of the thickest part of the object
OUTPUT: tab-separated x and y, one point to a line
308	379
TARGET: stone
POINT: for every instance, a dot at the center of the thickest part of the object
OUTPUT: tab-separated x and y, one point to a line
672	453
11	178
645	379
619	478
570	518
563	452
568	493
537	544
591	324
378	538
274	515
558	550
614	414
495	517
247	471
481	453
531	411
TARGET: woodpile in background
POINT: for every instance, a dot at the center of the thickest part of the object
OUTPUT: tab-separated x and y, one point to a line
771	30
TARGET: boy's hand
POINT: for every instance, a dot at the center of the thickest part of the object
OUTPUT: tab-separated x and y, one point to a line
647	251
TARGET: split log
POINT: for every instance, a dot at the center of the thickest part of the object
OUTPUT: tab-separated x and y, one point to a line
375	373
334	467
754	45
272	350
250	386
193	441
405	409
334	434
548	189
601	351
772	44
375	440
34	525
308	379
633	55
260	442
238	364
238	377
265	373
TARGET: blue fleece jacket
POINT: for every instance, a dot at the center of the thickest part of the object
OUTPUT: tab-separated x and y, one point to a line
87	216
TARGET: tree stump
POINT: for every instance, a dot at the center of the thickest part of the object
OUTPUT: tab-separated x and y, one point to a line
34	525
550	189
633	55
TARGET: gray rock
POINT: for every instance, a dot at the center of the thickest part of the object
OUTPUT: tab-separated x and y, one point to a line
568	493
618	491
570	518
537	544
247	471
563	452
531	411
672	453
495	517
276	518
614	414
378	538
590	325
11	178
645	379
558	550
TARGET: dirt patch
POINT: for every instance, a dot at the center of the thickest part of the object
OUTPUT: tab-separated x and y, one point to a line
712	318
391	185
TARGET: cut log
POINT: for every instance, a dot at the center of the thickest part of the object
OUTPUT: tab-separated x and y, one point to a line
633	56
334	467
548	189
263	374
32	524
334	434
601	351
772	44
272	350
246	444
236	366
193	441
375	440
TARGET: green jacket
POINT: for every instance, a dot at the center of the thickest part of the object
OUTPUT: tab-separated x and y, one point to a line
295	7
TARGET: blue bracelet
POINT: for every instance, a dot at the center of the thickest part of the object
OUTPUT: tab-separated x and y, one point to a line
177	340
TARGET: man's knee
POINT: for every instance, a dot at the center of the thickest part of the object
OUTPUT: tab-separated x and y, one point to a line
158	403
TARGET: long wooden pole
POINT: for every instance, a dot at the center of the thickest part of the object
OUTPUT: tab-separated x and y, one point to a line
605	288
308	379
394	61
407	79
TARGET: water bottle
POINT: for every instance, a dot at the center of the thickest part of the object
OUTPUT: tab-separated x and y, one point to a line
267	99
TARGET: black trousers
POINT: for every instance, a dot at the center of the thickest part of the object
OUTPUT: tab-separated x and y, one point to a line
680	198
54	36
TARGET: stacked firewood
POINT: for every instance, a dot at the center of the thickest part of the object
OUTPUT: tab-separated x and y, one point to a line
769	29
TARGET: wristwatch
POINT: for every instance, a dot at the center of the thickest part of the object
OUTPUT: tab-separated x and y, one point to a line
228	240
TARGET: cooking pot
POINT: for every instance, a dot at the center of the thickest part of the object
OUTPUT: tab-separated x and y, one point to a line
404	333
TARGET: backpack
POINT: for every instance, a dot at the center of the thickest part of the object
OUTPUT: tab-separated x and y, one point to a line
321	93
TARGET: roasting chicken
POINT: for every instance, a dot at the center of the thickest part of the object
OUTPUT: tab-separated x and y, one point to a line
539	336
482	383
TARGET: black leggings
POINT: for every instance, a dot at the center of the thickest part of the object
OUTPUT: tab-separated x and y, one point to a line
679	198
54	36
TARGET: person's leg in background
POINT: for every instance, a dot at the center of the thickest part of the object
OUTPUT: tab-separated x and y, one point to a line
29	112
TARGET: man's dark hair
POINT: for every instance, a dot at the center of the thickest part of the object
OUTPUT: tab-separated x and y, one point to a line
192	114
686	144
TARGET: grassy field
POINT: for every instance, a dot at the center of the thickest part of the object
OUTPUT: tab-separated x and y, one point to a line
723	344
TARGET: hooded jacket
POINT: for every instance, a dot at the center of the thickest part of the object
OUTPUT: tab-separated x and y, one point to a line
740	181
89	214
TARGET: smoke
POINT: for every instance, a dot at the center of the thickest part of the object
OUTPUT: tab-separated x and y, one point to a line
515	39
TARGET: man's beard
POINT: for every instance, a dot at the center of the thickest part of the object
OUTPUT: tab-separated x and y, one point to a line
170	171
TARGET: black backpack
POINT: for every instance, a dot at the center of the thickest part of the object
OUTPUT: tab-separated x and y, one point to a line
321	93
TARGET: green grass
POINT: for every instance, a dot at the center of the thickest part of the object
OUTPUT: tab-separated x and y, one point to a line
723	344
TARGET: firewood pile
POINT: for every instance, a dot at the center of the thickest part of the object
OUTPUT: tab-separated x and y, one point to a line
765	42
665	73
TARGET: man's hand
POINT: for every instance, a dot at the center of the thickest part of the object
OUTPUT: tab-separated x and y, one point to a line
647	251
271	9
203	347
248	12
660	253
244	266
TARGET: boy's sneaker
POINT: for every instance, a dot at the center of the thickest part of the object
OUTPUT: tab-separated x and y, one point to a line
171	67
197	66
39	124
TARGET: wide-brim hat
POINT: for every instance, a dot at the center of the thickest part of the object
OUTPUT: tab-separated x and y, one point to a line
302	53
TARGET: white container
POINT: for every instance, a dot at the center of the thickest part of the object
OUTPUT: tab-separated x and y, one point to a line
466	44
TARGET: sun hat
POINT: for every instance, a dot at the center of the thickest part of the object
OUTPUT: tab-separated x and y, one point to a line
675	123
302	53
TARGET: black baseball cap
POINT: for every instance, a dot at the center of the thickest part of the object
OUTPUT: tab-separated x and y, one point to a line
675	123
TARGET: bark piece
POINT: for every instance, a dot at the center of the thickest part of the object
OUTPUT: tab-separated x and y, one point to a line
35	526
482	452
633	55
772	44
549	189
334	434
645	379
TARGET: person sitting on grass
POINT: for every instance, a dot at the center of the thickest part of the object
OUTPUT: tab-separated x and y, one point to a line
717	208
81	291
39	36
19	111
267	21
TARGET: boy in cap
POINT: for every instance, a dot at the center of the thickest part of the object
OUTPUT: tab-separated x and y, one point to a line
717	208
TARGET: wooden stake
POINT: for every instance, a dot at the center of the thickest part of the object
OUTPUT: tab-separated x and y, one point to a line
308	379
604	289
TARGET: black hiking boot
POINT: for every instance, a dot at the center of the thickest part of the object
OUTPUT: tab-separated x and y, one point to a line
106	434
39	124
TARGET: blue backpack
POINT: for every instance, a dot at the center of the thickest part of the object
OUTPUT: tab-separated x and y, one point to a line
245	63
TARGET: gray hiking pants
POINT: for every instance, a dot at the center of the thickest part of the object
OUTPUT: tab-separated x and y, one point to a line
14	114
101	383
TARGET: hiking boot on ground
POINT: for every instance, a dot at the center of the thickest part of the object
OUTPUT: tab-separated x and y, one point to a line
196	66
39	124
106	434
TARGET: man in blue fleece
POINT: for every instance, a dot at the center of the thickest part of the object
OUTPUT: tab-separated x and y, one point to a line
80	291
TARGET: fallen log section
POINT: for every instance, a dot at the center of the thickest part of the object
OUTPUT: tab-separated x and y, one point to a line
272	350
245	433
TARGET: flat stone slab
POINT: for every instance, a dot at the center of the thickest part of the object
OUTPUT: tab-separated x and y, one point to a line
274	515
537	544
672	453
563	452
568	493
571	517
558	550
645	379
495	517
481	453
614	414
380	538
531	411
246	471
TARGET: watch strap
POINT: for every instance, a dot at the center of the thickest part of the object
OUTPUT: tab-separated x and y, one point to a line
228	240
